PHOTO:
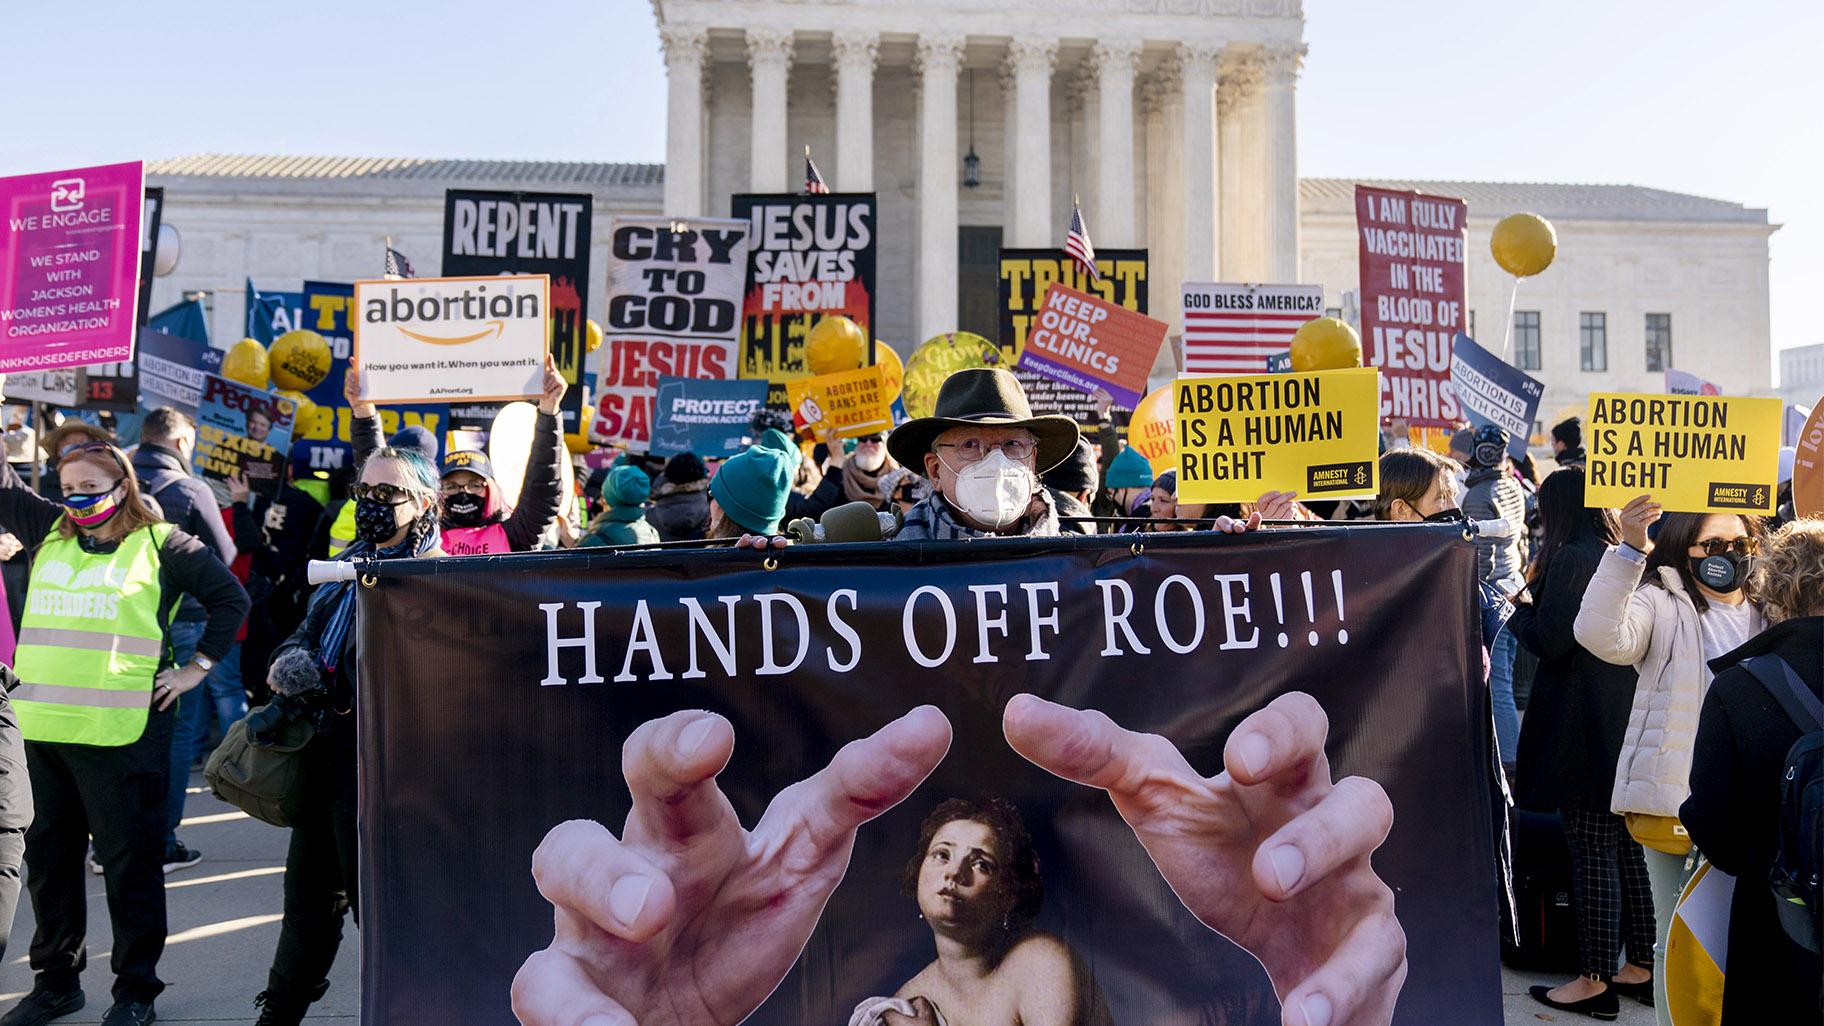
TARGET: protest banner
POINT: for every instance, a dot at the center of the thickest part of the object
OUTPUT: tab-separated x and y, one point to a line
1492	391
1233	328
709	418
1808	466
69	266
52	387
241	430
325	425
171	370
1686	383
152	215
531	233
808	257
1092	345
539	667
1025	276
272	313
674	309
474	339
855	403
1280	362
1412	278
1693	454
1316	434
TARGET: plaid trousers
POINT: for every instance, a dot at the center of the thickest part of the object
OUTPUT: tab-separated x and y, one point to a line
1609	889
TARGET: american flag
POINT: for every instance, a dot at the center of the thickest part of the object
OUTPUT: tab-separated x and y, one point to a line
813	179
1233	329
397	266
1077	244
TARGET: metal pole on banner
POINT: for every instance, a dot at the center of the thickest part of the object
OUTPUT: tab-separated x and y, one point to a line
1512	298
37	443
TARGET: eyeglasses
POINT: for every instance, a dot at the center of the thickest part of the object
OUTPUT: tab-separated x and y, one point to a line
865	439
457	488
1743	546
971	450
385	494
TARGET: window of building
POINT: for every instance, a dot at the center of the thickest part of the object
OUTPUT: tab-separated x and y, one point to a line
1593	341
1659	341
978	273
1526	339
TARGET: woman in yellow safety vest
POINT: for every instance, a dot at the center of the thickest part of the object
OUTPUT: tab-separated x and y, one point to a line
94	699
313	677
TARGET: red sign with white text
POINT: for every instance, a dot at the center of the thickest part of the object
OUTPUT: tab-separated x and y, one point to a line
1412	255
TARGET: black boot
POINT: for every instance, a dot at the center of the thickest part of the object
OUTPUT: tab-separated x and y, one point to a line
278	1008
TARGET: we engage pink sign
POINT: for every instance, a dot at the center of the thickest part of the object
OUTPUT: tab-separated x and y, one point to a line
69	266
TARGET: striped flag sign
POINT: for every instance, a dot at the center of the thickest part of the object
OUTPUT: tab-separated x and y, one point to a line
1232	328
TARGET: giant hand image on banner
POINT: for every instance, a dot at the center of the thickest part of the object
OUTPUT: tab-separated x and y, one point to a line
781	796
808	257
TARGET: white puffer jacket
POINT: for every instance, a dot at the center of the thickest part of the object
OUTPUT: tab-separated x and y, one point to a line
1655	631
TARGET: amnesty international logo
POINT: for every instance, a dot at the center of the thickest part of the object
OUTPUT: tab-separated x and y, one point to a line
1336	477
1729	495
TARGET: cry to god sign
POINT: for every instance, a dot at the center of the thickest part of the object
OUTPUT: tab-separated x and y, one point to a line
478	339
1691	453
1313	434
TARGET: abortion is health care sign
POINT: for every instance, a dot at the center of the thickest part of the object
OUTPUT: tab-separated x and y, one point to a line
69	267
428	340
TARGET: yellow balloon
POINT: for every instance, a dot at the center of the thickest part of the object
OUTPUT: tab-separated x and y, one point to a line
246	362
1524	244
579	442
300	360
835	344
1325	343
594	334
1150	431
892	370
937	358
303	401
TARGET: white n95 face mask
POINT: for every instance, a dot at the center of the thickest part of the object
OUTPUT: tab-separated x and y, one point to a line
994	490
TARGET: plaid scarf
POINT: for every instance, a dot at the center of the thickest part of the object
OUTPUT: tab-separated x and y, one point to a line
932	519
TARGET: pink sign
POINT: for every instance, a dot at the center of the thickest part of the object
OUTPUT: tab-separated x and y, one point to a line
69	267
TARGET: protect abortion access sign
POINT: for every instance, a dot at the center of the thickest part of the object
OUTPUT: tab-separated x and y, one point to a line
481	339
69	267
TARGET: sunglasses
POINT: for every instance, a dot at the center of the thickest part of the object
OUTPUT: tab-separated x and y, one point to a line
386	494
1743	546
113	453
876	439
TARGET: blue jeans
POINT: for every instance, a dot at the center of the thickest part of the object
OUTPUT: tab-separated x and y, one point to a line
1501	694
220	691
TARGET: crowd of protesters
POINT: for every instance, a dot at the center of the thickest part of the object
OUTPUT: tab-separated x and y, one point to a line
1619	647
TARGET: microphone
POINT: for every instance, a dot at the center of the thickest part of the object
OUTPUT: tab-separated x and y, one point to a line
1496	528
850	522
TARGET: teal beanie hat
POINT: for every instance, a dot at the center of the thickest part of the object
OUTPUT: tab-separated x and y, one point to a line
626	486
751	488
779	441
1130	470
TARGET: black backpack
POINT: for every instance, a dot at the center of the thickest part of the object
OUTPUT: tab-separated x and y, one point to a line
1797	873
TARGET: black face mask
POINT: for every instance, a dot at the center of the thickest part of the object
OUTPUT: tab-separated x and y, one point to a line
464	510
1453	515
375	521
1721	574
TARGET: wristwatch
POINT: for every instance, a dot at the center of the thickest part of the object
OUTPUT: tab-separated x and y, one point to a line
204	661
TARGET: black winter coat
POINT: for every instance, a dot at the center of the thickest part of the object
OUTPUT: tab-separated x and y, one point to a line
1571	737
1736	763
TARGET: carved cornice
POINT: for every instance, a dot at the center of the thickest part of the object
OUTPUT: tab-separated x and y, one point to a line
1281	63
1032	55
855	51
1120	57
938	55
1197	59
684	44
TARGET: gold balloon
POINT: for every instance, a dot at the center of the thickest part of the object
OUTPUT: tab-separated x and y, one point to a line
247	363
579	442
1524	244
594	334
893	372
835	344
1325	343
300	360
1150	431
301	400
936	359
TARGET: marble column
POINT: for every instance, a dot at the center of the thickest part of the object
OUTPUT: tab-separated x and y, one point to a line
853	56
1229	260
1031	60
1252	171
1279	117
1152	114
1197	72
686	52
1084	116
1166	251
769	58
938	58
1114	62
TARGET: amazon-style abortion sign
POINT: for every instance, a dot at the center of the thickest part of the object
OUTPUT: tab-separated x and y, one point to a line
427	340
543	669
674	309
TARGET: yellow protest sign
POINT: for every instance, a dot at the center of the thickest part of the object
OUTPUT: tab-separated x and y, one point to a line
855	402
1692	453
1315	434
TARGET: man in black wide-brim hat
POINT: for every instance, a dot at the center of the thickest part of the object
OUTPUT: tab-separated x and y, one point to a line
983	451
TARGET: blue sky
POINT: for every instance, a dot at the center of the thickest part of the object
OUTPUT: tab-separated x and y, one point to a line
1689	95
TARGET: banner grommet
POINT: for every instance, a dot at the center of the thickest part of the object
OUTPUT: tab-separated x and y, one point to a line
369	580
1136	548
770	563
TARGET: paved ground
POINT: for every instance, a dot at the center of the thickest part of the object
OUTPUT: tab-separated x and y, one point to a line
224	917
